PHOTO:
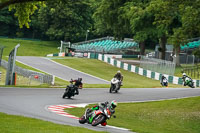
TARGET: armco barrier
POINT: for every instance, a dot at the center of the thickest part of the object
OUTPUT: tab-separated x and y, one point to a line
141	71
49	79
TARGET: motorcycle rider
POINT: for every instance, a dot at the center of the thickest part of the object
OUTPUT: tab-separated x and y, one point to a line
119	76
78	84
111	106
162	79
184	77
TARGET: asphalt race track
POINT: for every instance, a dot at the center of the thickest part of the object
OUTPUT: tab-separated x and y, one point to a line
33	102
61	71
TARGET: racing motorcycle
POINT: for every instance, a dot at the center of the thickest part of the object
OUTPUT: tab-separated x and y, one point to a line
164	82
70	90
189	82
115	85
96	117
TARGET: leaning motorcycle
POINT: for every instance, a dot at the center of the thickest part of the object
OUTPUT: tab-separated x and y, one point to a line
97	117
70	90
115	85
164	82
189	82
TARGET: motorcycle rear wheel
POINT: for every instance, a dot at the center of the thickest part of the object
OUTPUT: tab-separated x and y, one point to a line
98	120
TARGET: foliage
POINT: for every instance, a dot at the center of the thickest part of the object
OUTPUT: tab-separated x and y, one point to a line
24	11
196	52
66	20
143	20
109	18
8	24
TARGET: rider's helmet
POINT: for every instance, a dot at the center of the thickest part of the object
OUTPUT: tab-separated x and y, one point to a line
118	71
80	79
113	104
184	74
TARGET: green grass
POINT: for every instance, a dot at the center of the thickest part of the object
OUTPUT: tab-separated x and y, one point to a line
169	116
29	48
19	124
106	71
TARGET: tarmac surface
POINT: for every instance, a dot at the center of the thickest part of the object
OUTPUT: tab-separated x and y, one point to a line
33	102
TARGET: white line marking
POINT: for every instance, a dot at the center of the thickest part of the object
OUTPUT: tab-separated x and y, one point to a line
120	128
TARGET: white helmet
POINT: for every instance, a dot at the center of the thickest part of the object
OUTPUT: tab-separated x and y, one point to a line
118	71
184	74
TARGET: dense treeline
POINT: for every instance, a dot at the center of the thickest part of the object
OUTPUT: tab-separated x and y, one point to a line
147	21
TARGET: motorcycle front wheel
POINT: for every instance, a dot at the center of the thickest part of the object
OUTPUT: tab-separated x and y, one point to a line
191	85
98	120
82	120
110	89
64	95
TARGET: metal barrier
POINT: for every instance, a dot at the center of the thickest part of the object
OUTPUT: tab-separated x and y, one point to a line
48	79
158	65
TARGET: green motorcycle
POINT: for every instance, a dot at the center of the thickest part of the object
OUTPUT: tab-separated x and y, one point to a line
189	82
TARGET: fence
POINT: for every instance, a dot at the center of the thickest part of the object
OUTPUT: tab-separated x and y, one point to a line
157	65
141	71
49	79
192	71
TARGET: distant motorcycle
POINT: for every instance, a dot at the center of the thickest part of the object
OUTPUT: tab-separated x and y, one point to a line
97	117
189	82
164	82
70	90
115	85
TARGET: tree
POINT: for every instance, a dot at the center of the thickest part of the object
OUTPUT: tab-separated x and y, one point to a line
65	20
8	24
23	9
141	22
109	18
167	18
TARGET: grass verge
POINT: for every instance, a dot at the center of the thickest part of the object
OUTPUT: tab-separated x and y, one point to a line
169	116
20	124
29	48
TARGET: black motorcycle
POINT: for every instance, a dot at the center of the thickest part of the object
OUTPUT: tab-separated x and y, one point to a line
70	90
